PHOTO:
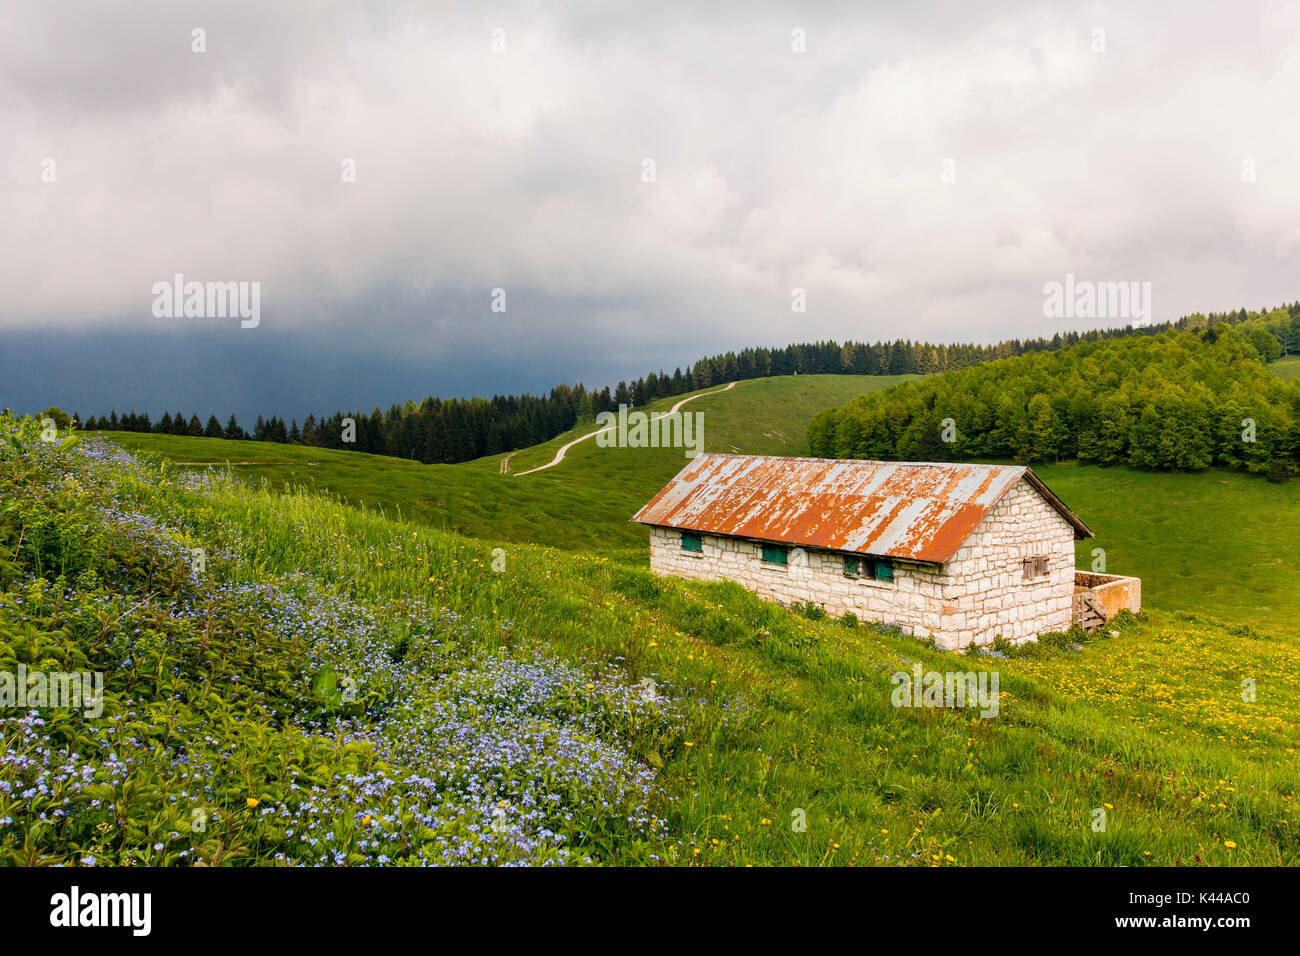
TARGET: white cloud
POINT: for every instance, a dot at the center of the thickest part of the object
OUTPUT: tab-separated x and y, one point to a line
522	169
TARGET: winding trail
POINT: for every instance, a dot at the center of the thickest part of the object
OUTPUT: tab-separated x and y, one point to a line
559	455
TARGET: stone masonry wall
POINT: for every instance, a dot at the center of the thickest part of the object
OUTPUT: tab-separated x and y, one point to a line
978	595
988	595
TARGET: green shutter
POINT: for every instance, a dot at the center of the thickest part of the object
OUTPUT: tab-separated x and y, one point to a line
884	571
692	542
852	566
774	554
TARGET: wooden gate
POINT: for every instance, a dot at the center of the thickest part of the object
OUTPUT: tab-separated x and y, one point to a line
1088	610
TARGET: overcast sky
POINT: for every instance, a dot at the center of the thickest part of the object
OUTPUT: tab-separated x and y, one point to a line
921	171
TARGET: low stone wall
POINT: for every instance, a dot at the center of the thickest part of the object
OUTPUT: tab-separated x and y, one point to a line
912	601
1111	593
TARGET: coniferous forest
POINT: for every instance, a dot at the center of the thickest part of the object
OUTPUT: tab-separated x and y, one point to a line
456	430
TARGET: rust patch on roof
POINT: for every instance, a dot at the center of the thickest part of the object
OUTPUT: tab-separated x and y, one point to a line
918	511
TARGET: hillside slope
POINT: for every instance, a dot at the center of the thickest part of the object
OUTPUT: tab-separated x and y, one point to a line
1213	542
584	503
1287	368
751	734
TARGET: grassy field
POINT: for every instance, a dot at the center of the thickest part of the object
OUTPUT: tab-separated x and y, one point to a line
1212	542
1287	368
584	503
1218	543
766	737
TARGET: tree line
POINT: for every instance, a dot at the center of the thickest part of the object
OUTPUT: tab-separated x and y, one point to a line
455	430
1181	399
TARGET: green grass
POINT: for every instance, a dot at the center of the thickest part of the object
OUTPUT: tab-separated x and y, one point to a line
1213	542
790	718
449	497
765	416
1210	542
793	718
1287	367
584	503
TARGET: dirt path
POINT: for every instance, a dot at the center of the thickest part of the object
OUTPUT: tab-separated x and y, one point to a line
559	455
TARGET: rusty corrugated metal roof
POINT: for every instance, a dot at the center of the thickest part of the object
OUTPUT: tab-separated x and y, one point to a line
918	511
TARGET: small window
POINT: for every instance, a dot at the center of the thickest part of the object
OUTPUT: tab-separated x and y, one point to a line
1035	567
692	542
775	554
871	568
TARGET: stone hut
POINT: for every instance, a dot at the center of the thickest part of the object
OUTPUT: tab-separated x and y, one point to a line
958	552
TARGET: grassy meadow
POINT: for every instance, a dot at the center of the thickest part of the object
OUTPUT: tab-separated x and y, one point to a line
354	609
1212	542
1287	367
728	721
582	504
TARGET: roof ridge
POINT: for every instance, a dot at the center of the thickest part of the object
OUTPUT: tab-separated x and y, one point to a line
886	509
864	461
